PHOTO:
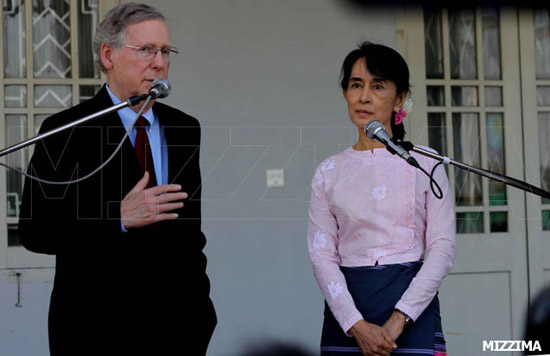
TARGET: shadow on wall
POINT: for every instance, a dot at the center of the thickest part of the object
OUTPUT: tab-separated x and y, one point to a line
443	3
275	348
538	322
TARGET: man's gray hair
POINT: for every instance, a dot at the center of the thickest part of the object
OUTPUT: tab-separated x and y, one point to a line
112	30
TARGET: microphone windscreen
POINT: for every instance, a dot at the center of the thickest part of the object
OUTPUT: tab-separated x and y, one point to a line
160	88
371	128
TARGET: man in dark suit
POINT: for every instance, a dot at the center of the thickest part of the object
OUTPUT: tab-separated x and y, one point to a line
130	271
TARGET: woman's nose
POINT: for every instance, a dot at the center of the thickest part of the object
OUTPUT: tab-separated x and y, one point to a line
365	96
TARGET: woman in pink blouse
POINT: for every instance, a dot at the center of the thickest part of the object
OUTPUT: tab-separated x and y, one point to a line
379	240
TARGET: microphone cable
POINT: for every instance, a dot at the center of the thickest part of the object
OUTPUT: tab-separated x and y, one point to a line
30	176
409	146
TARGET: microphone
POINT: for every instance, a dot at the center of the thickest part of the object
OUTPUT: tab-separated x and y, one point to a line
375	131
160	88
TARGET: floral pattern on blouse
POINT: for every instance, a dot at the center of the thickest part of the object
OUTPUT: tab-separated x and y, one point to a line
370	207
335	289
319	241
379	192
325	166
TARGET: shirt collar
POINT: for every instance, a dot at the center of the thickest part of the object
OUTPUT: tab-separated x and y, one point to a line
128	115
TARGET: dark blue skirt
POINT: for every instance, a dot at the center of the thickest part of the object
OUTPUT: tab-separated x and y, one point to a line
375	291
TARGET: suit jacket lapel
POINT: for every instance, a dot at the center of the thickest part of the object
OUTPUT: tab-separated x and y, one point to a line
114	131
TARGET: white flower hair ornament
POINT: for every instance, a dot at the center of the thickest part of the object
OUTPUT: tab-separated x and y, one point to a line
405	110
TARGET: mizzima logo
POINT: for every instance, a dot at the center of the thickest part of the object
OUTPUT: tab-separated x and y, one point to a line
511	345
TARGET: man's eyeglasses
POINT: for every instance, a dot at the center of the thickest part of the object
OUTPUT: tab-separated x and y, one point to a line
148	52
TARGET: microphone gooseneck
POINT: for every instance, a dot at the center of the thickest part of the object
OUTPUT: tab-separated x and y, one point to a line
375	130
160	88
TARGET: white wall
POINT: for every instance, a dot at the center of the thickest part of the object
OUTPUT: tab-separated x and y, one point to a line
24	320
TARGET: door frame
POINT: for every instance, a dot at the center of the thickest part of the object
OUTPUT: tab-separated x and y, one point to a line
485	253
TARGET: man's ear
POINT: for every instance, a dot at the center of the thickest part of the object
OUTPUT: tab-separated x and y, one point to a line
106	54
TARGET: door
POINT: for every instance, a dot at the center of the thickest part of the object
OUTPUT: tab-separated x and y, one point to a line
535	73
467	87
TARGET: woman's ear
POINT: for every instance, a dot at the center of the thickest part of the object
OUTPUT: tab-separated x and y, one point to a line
400	100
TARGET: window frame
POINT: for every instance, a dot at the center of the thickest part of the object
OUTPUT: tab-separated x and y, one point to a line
17	257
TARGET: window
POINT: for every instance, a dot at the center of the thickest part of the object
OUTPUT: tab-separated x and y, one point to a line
47	66
464	90
541	21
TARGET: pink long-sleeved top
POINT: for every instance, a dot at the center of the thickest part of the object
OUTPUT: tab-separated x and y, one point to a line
371	207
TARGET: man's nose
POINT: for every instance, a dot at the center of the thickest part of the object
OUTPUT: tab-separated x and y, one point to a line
158	61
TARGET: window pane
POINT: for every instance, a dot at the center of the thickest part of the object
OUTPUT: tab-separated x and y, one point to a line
433	46
468	188
469	223
493	96
16	131
436	95
491	42
464	96
543	96
544	151
546	220
52	96
87	21
87	91
462	44
13	236
542	43
499	221
14	39
15	96
495	157
38	120
51	22
437	138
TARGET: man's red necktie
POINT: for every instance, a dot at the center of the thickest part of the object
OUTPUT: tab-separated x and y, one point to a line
143	151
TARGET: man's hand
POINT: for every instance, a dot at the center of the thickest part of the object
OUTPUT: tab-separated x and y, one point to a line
142	207
372	339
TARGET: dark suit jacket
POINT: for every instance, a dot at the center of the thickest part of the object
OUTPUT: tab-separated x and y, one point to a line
114	291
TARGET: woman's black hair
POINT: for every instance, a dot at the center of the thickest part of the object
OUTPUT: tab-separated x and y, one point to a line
383	62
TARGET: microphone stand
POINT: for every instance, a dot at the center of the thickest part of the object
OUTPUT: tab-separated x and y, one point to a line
130	102
483	172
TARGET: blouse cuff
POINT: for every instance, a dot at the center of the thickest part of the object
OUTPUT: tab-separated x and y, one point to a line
412	312
347	324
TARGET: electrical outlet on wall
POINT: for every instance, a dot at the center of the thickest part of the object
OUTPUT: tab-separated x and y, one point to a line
275	178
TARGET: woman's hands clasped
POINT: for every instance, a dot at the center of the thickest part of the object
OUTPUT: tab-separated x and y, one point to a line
372	339
375	340
395	324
